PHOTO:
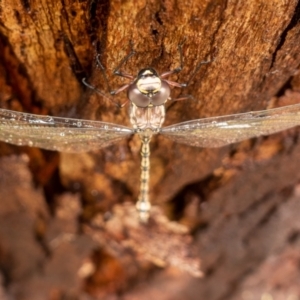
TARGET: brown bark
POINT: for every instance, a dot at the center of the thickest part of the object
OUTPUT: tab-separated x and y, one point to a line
241	201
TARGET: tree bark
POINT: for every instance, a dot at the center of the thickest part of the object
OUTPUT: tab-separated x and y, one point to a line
240	201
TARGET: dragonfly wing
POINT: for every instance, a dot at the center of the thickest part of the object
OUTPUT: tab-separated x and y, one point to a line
60	134
224	130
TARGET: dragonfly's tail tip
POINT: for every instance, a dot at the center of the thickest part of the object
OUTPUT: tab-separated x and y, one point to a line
143	207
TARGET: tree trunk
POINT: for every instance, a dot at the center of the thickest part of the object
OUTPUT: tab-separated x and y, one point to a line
240	201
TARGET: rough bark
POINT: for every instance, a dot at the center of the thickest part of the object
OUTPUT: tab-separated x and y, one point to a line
241	201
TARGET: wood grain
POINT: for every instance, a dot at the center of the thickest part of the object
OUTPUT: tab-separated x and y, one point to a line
231	196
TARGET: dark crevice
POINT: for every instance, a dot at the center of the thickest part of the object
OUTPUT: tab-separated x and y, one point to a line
255	205
222	10
65	15
5	267
293	237
155	32
91	203
98	13
200	188
295	142
213	51
266	218
53	188
210	270
45	173
284	195
294	21
73	59
157	18
17	77
40	238
236	284
287	192
73	13
26	5
286	86
18	17
98	18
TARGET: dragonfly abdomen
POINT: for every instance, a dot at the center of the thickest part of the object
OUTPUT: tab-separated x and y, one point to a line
143	204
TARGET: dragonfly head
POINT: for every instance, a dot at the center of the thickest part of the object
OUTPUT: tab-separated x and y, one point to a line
148	81
148	89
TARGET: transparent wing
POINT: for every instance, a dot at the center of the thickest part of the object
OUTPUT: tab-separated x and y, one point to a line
60	134
220	131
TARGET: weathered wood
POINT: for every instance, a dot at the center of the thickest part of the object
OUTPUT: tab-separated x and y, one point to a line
231	196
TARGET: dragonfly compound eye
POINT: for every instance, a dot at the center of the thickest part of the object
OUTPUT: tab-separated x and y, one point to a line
137	97
162	95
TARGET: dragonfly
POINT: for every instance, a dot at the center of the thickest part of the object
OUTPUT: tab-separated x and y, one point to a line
147	94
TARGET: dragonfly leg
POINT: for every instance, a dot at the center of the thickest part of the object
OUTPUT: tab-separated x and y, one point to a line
183	85
116	72
122	62
182	98
102	94
204	62
186	84
122	88
179	68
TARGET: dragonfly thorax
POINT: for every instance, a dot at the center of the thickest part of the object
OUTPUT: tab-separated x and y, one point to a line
148	89
150	117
